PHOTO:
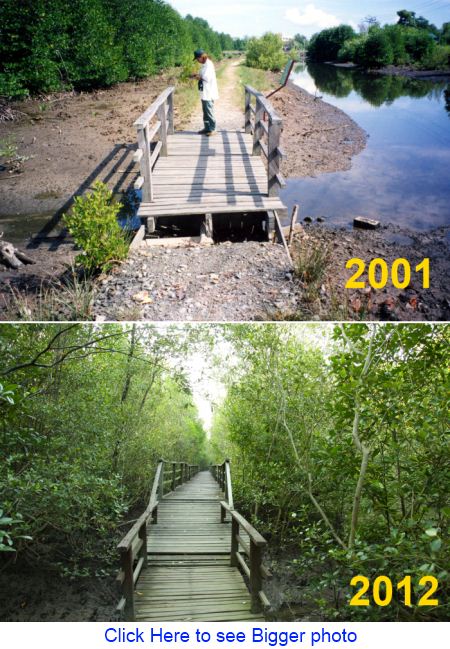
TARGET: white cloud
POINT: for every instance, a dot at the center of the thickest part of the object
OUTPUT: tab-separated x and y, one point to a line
312	17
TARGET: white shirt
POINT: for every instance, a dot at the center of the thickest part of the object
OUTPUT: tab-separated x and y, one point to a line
208	74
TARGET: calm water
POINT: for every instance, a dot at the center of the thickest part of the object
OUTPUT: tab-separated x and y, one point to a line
403	175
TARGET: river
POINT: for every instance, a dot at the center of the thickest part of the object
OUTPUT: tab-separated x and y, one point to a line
403	174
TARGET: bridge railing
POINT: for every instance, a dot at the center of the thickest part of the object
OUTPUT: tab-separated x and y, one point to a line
266	135
248	555
157	120
133	547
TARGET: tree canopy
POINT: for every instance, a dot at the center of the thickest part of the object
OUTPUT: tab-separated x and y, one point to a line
343	457
413	40
50	45
266	52
86	414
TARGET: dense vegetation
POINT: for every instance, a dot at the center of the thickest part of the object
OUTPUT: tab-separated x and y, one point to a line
338	438
266	52
85	414
343	457
411	41
50	45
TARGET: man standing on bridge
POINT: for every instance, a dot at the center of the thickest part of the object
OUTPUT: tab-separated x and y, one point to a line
207	85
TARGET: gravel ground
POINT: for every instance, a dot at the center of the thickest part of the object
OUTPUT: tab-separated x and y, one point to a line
228	281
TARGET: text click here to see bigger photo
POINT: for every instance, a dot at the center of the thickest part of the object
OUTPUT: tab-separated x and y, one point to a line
224	305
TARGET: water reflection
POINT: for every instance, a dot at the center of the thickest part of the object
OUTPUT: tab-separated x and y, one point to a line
376	89
402	175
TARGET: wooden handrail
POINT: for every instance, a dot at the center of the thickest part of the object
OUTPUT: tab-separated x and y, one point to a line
133	547
143	120
253	568
162	109
255	123
254	535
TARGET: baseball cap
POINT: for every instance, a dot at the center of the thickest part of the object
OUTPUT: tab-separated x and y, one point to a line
198	54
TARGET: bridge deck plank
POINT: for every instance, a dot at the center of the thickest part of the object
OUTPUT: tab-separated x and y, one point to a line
201	175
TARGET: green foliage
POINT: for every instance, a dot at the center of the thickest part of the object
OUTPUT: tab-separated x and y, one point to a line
93	224
419	44
325	45
406	18
80	443
376	51
289	424
445	34
412	41
437	59
266	52
348	51
50	45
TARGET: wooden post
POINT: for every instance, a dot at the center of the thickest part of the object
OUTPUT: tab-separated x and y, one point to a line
143	536
248	112
234	542
155	515
223	513
273	163
170	128
294	217
174	475
163	129
126	560
255	575
229	489
258	130
145	166
161	482
206	229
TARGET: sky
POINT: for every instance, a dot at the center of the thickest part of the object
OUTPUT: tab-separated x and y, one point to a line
290	17
207	372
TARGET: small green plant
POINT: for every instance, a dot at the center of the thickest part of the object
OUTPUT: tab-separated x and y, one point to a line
93	224
6	537
310	267
8	149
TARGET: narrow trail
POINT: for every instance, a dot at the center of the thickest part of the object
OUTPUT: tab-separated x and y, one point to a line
229	113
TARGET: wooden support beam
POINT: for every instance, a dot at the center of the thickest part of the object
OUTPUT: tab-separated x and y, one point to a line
294	219
255	575
138	183
273	159
234	542
163	131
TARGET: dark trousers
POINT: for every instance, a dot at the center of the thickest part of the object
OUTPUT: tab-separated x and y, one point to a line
208	115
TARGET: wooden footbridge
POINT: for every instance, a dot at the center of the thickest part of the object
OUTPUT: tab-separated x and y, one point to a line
184	174
191	556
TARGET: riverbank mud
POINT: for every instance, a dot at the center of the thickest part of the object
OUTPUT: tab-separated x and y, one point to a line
317	137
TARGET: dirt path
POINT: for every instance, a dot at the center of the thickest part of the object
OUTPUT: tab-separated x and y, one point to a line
229	113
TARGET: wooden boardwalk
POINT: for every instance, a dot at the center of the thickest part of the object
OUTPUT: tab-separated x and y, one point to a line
184	173
189	570
203	175
189	576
